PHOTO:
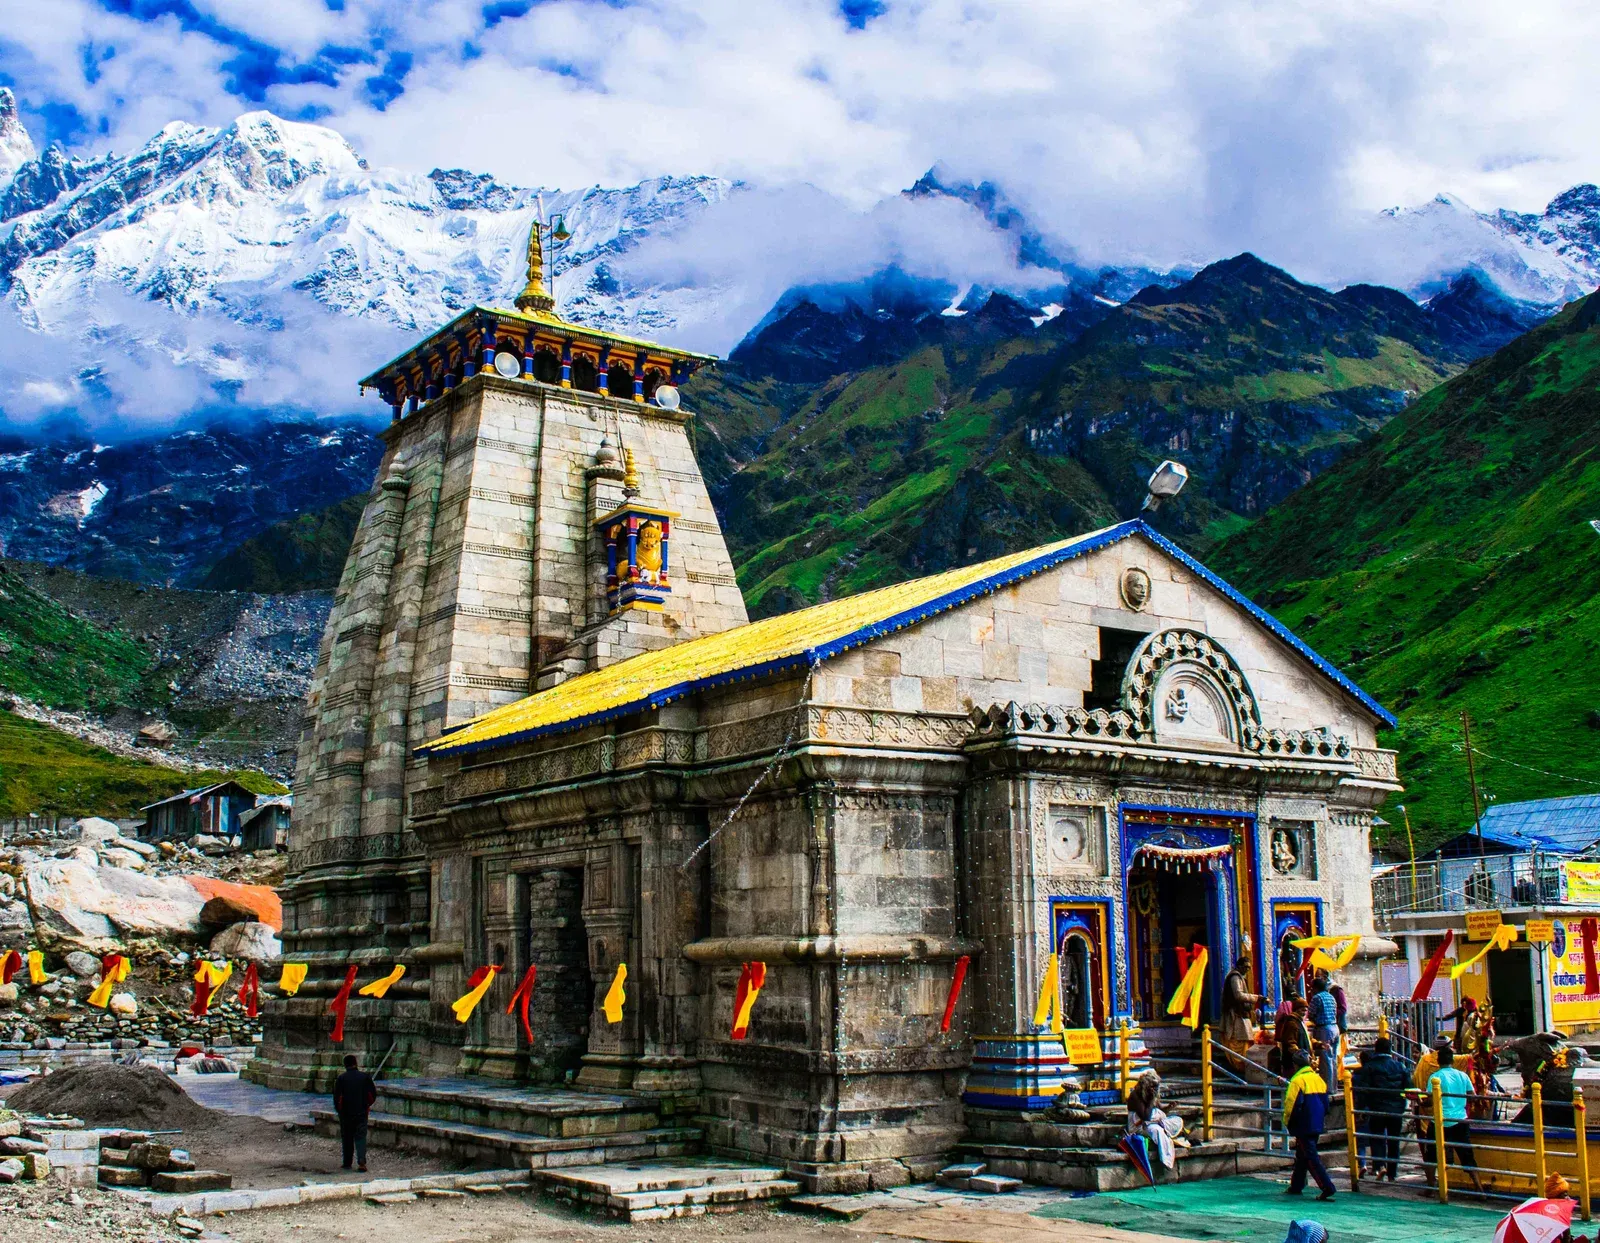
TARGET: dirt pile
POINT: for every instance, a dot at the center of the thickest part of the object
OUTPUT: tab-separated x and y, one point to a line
106	1094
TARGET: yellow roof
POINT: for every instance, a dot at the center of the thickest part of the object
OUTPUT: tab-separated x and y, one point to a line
773	645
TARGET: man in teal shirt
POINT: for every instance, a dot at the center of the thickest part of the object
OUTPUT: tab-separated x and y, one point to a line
1454	1090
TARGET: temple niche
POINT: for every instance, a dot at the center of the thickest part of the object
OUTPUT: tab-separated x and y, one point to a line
544	733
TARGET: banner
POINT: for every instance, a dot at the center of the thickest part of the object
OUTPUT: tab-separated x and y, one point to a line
1583	883
1571	1004
1481	925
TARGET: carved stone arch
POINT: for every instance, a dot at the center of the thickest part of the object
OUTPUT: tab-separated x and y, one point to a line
1183	660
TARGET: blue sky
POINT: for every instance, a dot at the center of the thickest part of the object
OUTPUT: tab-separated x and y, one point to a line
1222	121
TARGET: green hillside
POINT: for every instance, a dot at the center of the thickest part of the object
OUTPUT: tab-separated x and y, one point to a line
994	435
47	772
303	553
55	657
1449	565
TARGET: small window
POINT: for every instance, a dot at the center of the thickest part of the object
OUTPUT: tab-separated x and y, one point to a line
1105	675
620	379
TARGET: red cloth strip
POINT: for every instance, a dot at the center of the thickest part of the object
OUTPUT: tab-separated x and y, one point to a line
521	998
340	1004
962	964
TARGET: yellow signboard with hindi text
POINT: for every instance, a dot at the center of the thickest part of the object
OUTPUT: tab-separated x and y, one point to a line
1083	1046
1540	931
1481	925
1583	883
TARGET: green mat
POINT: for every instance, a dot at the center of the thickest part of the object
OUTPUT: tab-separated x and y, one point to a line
1254	1210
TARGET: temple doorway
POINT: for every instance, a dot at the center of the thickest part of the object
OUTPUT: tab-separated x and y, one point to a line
1172	911
564	997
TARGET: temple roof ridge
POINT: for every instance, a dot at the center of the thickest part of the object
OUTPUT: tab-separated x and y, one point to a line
806	637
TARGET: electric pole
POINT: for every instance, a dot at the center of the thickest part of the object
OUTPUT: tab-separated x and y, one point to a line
1472	779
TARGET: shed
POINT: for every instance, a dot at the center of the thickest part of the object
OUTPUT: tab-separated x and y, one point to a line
1567	826
207	809
266	825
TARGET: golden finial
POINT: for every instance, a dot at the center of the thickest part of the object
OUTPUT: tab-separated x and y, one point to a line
534	298
630	475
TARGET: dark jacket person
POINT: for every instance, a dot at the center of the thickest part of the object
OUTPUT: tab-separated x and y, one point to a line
1380	1087
353	1096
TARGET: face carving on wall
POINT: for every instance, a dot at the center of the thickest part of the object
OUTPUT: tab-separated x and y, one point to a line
1135	588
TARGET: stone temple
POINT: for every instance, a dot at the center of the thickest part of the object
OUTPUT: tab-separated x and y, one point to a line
543	730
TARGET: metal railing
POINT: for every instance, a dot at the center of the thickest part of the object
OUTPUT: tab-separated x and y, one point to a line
1536	878
1410	1025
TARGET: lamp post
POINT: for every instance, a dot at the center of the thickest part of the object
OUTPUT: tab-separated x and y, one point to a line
1165	482
1411	848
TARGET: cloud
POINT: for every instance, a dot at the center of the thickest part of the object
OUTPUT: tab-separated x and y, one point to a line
179	367
1179	128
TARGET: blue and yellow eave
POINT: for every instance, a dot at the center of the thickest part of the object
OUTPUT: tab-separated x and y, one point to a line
794	642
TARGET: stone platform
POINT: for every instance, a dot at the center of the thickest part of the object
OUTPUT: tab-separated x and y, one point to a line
672	1189
482	1122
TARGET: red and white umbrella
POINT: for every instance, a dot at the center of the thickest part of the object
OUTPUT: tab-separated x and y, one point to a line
1536	1221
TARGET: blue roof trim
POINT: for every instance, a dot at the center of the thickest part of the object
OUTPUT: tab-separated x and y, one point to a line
910	617
1271	623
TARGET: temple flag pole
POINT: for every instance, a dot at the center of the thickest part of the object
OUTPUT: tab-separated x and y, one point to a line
1537	1098
1124	1084
1580	1125
1439	1146
1207	1118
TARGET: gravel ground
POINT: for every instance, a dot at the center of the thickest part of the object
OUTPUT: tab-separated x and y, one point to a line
33	1215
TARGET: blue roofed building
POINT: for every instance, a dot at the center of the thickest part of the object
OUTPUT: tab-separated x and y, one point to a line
1537	863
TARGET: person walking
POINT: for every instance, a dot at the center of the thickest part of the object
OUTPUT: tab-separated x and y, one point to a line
1289	1036
1305	1108
1380	1086
1323	1015
1455	1088
1426	1065
354	1094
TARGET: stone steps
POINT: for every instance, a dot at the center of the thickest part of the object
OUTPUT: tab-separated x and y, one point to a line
554	1113
674	1189
469	1142
1106	1169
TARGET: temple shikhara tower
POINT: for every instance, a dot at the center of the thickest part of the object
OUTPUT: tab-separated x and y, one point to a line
543	732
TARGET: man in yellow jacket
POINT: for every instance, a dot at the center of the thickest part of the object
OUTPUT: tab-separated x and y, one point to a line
1305	1106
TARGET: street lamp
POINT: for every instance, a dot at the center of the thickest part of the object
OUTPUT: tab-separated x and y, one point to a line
1165	482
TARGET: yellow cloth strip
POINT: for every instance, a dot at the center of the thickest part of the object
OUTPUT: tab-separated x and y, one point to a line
102	994
36	973
1048	1008
743	647
294	975
1504	936
616	995
1321	944
213	975
379	987
741	1020
468	1002
1187	995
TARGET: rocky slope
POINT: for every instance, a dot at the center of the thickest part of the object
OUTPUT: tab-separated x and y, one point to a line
1449	565
164	510
992	432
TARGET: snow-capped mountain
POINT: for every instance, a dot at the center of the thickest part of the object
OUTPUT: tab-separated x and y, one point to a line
228	219
16	147
1547	258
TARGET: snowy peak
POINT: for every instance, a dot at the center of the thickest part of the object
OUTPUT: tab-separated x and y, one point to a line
231	220
16	147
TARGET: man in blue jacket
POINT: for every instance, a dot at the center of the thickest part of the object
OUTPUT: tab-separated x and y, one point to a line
1323	1019
1305	1106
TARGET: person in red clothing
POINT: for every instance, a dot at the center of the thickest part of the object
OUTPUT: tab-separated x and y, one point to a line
354	1094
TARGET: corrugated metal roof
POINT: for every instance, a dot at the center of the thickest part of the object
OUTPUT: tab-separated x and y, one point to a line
798	640
1568	825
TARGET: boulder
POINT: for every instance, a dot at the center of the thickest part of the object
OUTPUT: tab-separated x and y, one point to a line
116	857
144	849
124	1005
84	966
35	1165
224	911
250	901
79	904
94	829
250	940
155	734
10	1170
16	921
205	843
9	994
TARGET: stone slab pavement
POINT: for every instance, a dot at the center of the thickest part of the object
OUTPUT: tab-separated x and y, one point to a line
230	1094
